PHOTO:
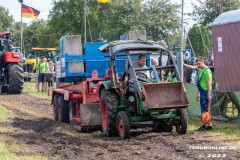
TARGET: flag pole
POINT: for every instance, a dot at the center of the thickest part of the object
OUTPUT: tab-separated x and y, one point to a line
181	50
221	7
85	21
22	32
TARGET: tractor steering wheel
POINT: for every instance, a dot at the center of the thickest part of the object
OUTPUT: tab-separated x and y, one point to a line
141	75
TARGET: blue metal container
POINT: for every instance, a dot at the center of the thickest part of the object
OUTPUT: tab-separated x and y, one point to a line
81	65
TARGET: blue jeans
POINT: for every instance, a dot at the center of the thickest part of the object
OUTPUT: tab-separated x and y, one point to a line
203	101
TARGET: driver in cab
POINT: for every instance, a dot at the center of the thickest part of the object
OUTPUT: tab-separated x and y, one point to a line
141	63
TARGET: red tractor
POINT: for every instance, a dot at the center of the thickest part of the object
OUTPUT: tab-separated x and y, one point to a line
11	69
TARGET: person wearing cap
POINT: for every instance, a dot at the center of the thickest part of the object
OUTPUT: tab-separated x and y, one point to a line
204	85
42	67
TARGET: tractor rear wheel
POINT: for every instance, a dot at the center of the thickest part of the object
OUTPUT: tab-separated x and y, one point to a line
63	111
181	126
109	102
123	125
55	107
15	78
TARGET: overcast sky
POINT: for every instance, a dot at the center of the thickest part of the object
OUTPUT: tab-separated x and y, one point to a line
44	6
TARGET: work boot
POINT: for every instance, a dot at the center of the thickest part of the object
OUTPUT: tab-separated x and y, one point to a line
202	128
208	128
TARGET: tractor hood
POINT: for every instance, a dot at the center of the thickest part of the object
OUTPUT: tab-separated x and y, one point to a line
130	45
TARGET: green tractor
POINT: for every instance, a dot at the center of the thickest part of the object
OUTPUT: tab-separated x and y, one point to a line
134	98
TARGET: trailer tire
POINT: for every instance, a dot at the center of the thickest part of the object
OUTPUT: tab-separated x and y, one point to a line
55	107
123	125
15	78
63	111
181	127
109	102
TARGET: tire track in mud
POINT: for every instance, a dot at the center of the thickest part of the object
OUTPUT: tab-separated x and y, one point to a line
35	127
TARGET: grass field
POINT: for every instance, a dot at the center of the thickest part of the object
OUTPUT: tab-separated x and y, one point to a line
6	129
8	143
30	87
5	154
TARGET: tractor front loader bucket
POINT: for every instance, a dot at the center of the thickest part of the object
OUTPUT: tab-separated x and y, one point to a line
164	96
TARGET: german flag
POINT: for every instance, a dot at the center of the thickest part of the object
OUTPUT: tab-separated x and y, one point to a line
29	12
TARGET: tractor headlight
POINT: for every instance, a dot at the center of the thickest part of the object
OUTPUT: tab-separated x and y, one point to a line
131	99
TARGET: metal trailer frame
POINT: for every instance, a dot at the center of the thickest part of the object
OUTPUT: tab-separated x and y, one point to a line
83	98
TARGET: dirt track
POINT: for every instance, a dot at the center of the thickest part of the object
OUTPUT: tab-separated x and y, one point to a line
34	126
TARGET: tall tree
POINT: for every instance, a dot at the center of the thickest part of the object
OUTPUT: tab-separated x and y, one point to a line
106	20
17	32
161	20
200	37
30	33
110	20
6	20
66	16
121	16
206	11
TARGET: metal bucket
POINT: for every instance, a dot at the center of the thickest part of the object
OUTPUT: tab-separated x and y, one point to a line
164	95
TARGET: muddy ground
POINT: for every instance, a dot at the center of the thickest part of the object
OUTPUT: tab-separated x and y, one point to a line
34	127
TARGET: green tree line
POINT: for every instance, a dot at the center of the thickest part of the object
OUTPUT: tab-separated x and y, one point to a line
160	19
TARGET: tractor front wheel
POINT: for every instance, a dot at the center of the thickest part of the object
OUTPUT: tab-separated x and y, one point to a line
181	126
123	125
109	102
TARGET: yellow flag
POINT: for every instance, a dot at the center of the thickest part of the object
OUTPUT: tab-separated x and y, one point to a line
103	1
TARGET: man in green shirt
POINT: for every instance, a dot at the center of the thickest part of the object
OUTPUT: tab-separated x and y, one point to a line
204	85
42	67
